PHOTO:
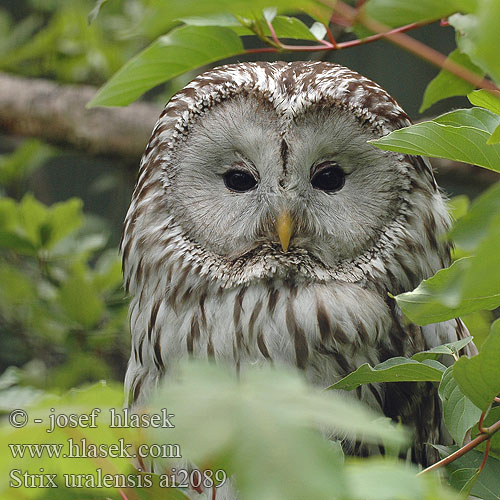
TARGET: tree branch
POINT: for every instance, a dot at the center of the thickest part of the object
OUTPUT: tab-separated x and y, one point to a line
414	46
488	432
56	113
349	15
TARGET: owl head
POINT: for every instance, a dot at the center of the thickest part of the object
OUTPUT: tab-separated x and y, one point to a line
263	170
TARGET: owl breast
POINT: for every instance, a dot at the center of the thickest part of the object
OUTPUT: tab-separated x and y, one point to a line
325	329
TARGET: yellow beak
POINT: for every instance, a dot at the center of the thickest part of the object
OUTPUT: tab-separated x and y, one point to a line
284	227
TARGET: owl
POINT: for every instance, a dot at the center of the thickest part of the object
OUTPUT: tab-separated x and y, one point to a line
265	228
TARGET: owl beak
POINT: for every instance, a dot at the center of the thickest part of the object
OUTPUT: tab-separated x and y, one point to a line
284	227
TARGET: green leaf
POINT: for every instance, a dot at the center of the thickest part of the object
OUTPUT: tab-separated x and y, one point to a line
491	418
495	137
479	37
460	135
478	323
76	402
161	14
437	299
16	242
473	227
227	421
464	479
64	218
108	273
486	99
33	216
487	486
290	27
182	50
15	287
30	226
401	12
9	218
459	413
452	349
383	479
469	284
491	101
479	376
284	27
80	300
478	118
446	84
267	409
393	370
482	281
28	157
227	20
458	206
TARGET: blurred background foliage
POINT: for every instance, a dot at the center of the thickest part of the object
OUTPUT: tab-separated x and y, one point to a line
63	313
62	309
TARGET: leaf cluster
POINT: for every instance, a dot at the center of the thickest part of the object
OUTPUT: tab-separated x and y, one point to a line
63	313
261	428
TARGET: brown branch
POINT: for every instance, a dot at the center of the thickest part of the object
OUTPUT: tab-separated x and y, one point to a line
480	423
278	46
349	15
488	432
330	36
414	46
485	457
386	34
273	33
56	113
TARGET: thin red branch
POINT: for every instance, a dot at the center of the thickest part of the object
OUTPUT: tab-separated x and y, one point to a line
489	431
492	428
485	458
332	45
326	44
457	454
273	33
124	497
330	36
386	34
413	46
480	423
396	36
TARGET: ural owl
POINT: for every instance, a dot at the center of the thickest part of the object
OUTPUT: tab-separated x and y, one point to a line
264	227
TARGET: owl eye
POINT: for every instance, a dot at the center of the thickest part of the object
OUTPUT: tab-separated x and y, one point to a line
329	177
239	181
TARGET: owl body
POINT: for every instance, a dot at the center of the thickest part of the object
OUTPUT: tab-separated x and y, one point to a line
264	228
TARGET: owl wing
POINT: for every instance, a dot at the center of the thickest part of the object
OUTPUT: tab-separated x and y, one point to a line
417	404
